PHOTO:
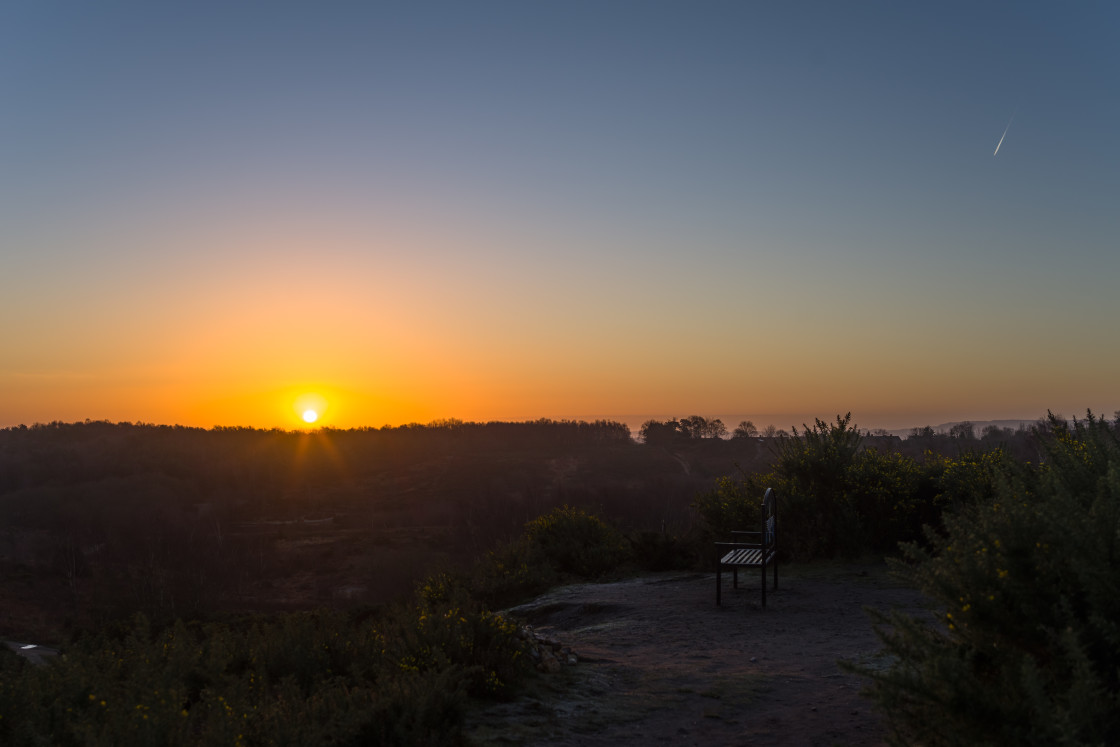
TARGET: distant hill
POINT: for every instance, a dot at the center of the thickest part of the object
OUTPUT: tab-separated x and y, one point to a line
979	425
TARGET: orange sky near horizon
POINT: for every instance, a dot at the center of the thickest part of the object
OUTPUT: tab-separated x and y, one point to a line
237	334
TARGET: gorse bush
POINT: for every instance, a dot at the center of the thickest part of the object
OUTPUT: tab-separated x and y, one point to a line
575	542
297	679
449	628
833	498
508	574
837	498
400	677
303	679
564	544
817	459
882	500
732	504
970	478
1026	649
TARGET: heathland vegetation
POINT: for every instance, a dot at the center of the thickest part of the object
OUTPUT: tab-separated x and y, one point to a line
270	587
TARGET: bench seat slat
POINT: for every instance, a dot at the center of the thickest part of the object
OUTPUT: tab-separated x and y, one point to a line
747	557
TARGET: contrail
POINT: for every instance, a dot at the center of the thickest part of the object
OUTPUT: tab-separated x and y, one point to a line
1005	129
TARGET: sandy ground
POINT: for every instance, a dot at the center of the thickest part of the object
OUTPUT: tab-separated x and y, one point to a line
661	664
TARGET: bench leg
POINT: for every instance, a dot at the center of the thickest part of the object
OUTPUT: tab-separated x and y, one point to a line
734	577
719	583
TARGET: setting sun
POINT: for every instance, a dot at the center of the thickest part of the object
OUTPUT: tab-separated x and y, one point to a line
310	407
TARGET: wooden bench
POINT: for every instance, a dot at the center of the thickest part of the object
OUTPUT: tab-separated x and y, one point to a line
758	553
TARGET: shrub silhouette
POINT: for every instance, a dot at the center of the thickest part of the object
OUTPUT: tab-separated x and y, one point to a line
563	544
841	499
1027	647
303	678
575	542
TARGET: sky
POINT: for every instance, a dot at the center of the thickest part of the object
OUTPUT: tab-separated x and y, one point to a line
218	213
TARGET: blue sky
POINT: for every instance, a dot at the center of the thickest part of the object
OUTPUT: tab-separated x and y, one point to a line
508	210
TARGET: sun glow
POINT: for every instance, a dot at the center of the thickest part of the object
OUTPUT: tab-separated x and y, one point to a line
310	407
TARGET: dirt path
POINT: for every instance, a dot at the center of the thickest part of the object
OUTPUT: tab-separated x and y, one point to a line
660	663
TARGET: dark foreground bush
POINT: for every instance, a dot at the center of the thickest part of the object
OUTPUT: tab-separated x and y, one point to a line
401	677
836	498
567	543
574	542
449	629
297	679
1027	647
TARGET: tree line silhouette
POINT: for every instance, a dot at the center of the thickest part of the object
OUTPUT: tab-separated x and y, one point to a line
108	518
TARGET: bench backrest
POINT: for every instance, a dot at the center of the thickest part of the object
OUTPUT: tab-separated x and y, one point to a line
770	517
